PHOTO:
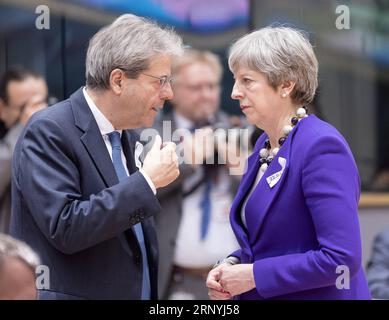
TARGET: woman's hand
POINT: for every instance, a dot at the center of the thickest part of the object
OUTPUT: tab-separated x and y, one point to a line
237	278
215	290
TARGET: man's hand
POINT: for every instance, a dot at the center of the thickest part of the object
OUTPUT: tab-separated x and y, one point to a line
161	163
237	279
215	290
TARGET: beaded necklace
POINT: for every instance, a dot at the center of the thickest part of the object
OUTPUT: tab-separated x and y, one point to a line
266	153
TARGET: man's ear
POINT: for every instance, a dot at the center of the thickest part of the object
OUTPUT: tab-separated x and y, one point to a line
116	81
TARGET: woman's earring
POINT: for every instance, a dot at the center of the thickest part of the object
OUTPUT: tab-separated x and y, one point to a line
284	95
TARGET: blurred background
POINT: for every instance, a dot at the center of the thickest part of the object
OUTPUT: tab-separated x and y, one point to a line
353	92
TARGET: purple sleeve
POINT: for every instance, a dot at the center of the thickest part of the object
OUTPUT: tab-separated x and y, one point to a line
331	188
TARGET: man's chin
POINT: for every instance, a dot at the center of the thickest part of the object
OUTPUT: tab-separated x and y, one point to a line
149	122
203	116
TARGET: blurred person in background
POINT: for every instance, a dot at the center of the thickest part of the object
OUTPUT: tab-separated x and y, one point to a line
79	196
193	229
17	270
295	214
3	129
22	93
380	181
377	270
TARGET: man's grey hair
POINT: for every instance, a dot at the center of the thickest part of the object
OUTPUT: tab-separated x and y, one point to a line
127	43
10	247
281	54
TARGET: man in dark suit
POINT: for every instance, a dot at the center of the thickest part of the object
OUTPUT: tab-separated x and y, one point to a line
378	267
22	92
81	198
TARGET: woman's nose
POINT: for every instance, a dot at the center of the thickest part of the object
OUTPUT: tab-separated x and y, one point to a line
236	93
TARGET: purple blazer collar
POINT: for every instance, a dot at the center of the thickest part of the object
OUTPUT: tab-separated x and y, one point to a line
263	195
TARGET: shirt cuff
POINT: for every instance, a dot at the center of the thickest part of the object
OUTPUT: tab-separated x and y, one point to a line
151	184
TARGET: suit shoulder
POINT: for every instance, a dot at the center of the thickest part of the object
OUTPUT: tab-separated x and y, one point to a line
59	112
54	121
316	138
314	130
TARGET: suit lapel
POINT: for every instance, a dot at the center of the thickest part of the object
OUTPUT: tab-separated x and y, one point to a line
128	144
263	196
92	139
129	139
97	150
94	144
247	180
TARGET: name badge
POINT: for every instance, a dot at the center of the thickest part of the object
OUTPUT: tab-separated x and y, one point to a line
274	178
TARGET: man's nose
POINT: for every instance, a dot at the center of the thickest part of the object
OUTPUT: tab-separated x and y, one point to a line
167	91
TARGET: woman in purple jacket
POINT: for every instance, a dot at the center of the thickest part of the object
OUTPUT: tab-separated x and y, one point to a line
295	214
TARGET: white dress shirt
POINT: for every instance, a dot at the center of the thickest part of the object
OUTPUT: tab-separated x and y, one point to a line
106	127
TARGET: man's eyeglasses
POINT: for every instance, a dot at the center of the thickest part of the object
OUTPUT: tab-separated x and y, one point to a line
162	80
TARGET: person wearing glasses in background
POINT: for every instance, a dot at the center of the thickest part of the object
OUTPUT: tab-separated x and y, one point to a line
193	229
84	203
22	93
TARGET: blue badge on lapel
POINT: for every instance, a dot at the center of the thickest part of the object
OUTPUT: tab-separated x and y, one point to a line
274	178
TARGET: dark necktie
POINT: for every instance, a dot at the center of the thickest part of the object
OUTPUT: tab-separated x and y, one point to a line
114	138
206	207
205	203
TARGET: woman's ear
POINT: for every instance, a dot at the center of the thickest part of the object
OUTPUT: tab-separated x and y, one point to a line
286	88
